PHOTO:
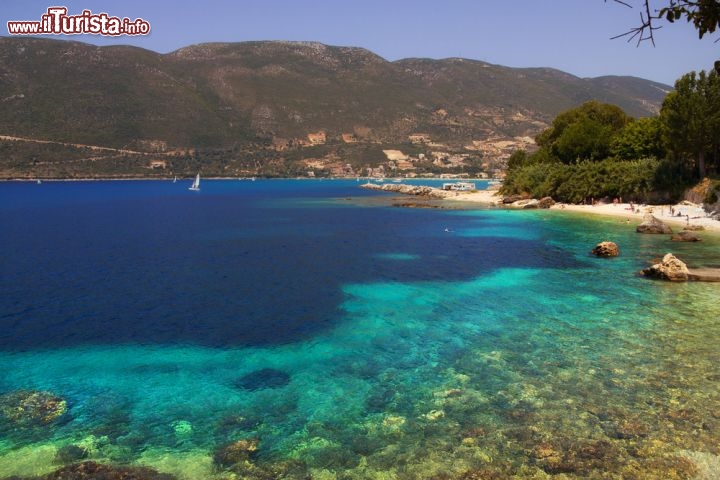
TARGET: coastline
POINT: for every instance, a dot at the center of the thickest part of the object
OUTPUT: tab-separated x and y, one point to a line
623	211
661	212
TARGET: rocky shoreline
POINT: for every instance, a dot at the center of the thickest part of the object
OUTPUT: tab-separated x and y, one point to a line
686	215
406	189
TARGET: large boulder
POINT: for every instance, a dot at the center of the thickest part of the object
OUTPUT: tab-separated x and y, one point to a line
546	202
670	268
650	224
606	249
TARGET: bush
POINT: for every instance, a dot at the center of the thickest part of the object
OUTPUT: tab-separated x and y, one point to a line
630	179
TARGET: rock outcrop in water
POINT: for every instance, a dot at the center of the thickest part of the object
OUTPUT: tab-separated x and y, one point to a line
606	249
650	224
671	268
405	189
686	236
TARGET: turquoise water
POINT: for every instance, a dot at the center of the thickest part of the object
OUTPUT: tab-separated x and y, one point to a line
433	343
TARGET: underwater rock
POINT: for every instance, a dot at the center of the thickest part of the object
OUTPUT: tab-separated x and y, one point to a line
695	228
568	455
393	423
686	236
551	459
650	224
379	398
234	423
626	429
606	249
70	454
97	471
30	408
485	474
434	415
239	451
182	428
263	378
671	268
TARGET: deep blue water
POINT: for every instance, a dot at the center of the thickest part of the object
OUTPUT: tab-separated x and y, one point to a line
237	264
344	337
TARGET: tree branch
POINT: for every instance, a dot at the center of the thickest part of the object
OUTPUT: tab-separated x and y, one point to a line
704	15
646	29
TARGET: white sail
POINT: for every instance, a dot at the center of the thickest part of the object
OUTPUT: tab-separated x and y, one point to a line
196	183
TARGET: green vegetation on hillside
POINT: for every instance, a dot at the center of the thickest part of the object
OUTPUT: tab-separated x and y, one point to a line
260	101
596	151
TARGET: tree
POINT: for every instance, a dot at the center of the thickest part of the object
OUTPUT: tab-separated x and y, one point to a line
704	15
691	118
517	159
641	138
583	133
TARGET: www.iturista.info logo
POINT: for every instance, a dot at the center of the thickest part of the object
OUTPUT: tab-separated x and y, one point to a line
57	22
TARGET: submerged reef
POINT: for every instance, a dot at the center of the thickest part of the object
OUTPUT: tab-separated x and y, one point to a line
97	471
28	408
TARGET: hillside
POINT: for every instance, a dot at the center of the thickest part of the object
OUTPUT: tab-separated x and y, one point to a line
277	103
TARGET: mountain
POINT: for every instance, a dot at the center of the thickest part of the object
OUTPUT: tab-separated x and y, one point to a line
273	94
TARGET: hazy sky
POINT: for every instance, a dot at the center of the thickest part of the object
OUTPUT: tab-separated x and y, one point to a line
570	35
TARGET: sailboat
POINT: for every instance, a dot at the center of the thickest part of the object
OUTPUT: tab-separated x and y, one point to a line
196	184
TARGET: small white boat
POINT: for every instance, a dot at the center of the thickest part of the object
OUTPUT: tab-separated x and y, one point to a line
196	184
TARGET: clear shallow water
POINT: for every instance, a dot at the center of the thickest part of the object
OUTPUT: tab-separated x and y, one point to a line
387	346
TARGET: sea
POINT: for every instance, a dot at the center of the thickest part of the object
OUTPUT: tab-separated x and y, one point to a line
312	329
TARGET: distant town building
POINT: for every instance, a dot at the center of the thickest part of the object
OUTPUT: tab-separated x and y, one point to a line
156	164
395	155
459	186
419	137
317	138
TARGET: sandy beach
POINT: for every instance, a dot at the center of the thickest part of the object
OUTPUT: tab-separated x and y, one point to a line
689	213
